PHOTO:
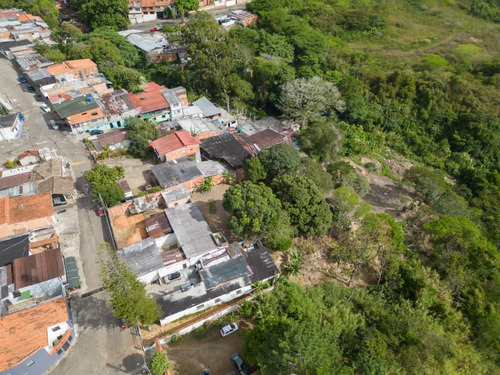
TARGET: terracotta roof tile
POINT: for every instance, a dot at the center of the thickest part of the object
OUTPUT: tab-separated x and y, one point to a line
175	141
16	180
29	208
25	332
4	210
57	69
81	63
148	101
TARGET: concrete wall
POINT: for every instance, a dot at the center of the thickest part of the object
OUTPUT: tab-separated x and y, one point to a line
193	150
225	298
47	288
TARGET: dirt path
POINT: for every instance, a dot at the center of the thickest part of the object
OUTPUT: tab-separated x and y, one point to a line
192	355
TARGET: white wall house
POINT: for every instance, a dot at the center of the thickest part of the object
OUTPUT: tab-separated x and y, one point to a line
11	126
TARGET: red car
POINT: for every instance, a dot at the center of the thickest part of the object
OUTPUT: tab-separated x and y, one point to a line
124	324
154	29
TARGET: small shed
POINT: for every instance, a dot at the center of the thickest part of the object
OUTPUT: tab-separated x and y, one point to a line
176	197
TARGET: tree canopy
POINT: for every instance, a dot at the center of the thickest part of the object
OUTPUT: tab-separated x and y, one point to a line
255	211
103	180
127	295
140	132
307	208
99	13
279	159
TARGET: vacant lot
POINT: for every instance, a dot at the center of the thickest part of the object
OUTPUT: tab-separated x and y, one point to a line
208	351
216	216
137	171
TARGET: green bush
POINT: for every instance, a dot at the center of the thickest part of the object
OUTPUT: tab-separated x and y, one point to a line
159	364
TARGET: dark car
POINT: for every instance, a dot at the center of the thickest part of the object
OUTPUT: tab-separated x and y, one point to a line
22	79
30	88
240	364
174	276
96	132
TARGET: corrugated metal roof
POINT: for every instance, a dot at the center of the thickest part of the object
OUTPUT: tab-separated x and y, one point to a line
37	268
143	257
208	108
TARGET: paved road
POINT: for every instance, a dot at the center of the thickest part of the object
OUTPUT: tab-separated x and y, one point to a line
101	347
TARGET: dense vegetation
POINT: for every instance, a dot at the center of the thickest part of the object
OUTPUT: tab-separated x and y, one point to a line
43	8
420	78
104	182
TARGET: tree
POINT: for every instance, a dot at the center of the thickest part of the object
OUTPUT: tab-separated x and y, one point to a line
67	34
215	61
307	208
428	182
306	100
159	364
185	6
321	140
255	210
254	169
279	159
313	170
127	295
129	53
140	132
98	13
99	50
276	45
122	77
346	207
103	180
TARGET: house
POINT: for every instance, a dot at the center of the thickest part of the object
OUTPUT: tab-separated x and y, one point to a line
177	145
25	214
224	148
147	10
41	78
243	18
184	173
144	259
176	99
113	141
176	197
208	109
35	278
158	225
71	69
34	339
127	191
118	107
262	140
11	126
202	127
150	103
153	46
17	182
218	277
51	178
80	113
28	157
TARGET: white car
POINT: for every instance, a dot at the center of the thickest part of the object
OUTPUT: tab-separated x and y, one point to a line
228	329
53	125
45	108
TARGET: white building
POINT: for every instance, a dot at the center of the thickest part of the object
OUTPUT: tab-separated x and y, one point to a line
11	126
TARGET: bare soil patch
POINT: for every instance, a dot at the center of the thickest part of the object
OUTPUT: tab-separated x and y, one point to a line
129	229
192	355
137	171
218	219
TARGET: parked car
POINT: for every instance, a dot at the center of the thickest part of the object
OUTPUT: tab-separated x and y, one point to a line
53	125
228	329
96	132
30	88
173	276
240	364
124	324
45	108
154	29
205	373
101	211
22	79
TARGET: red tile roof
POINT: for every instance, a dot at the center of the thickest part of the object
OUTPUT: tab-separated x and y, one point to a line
175	141
25	332
30	207
148	101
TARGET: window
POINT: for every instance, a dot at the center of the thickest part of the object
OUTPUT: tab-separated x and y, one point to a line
200	307
56	328
30	363
17	294
238	292
84	113
217	300
94	113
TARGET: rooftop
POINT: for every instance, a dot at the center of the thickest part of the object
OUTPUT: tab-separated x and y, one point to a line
148	101
175	195
143	257
8	120
49	168
224	272
13	248
21	209
112	137
207	107
158	225
226	148
15	180
169	175
25	332
192	231
76	105
146	42
198	125
262	140
37	268
56	185
211	168
173	142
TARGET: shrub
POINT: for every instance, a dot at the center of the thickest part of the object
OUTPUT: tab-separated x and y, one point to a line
10	164
159	364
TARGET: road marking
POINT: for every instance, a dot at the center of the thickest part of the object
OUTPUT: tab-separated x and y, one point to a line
29	110
77	163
